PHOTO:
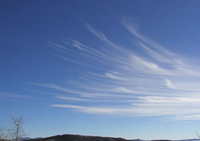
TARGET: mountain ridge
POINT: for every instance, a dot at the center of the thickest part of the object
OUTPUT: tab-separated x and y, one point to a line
76	137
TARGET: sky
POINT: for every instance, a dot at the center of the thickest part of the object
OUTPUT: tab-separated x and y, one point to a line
127	69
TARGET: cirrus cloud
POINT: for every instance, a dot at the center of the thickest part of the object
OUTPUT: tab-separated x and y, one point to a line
154	82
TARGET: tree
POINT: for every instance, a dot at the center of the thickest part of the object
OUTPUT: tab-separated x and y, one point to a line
17	131
14	133
2	133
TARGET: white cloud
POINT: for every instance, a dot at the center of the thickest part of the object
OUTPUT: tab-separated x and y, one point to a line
14	96
122	90
112	76
169	84
155	82
71	98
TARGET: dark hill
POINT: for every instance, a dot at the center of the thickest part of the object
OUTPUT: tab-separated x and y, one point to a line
78	138
69	137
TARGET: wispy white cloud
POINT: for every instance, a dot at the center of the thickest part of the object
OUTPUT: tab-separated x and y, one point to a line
188	117
153	82
112	76
71	98
14	96
91	110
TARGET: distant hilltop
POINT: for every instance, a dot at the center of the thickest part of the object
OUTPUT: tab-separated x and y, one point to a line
69	137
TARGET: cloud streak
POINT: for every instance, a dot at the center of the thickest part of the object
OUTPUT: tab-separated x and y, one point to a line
153	82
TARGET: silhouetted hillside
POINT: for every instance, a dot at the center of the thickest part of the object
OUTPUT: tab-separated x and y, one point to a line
78	138
69	137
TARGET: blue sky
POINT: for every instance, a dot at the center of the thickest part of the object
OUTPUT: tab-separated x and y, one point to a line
109	68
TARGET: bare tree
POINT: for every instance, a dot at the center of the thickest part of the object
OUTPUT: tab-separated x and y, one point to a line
17	131
2	134
14	133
